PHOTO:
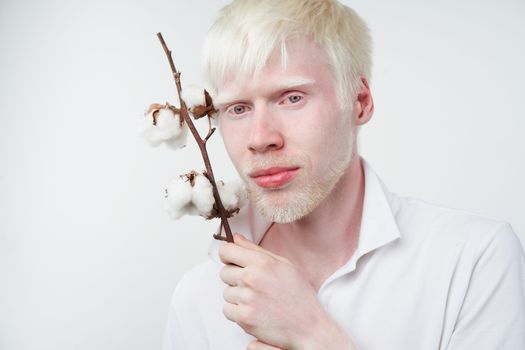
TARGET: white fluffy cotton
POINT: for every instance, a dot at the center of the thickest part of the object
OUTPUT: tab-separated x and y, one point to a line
179	195
167	129
233	194
193	96
202	195
183	199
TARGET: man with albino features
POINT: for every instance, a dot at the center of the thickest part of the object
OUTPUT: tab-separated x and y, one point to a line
325	257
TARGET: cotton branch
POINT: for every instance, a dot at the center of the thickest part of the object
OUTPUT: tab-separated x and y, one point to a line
202	146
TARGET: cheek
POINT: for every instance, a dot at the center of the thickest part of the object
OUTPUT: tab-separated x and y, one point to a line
329	140
326	129
233	140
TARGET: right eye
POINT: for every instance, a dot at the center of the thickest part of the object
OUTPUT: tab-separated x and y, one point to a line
236	111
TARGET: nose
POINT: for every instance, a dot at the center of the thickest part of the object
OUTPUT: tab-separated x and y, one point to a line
265	133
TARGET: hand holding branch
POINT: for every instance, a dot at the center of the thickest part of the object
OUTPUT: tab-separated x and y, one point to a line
268	298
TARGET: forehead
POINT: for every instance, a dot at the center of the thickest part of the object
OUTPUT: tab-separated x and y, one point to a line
300	62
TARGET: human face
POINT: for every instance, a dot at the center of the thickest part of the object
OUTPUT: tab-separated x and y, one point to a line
285	131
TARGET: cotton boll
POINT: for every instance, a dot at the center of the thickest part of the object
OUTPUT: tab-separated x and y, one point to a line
193	96
178	142
214	115
228	196
175	213
202	195
241	191
233	194
170	129
160	124
148	132
192	194
179	196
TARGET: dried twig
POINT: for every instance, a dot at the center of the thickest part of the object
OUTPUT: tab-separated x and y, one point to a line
202	146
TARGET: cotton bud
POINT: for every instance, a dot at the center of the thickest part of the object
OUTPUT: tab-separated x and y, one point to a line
198	101
190	194
233	194
193	96
178	197
202	195
163	124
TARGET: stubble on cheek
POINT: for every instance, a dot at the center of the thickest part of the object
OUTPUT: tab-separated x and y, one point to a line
303	195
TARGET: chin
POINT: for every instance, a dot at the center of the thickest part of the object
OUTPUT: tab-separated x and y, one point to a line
282	215
297	200
290	204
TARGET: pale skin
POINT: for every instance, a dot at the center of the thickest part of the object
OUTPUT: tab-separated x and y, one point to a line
272	287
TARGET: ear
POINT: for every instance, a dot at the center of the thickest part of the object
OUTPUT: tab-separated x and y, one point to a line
363	105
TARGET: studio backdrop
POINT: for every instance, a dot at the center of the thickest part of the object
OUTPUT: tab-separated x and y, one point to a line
89	259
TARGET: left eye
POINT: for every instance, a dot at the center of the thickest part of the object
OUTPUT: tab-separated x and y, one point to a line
294	98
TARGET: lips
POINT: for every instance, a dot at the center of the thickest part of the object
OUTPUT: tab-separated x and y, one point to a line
274	177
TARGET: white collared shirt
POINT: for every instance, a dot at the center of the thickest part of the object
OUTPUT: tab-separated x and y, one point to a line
422	277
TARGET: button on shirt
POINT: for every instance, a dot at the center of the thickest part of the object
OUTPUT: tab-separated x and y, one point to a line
422	277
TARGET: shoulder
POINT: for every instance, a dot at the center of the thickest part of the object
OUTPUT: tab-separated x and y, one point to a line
421	221
196	284
196	298
479	264
456	241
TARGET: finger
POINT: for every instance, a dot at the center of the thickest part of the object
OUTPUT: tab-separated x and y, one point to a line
245	243
230	295
231	274
234	312
237	295
257	345
231	253
229	311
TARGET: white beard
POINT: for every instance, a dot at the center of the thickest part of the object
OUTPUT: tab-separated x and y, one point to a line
301	198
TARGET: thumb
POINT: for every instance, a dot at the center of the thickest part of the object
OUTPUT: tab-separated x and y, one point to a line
242	241
257	345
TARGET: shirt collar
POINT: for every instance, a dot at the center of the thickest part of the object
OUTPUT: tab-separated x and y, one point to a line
378	225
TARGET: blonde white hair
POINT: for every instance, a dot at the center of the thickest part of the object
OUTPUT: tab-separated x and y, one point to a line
247	32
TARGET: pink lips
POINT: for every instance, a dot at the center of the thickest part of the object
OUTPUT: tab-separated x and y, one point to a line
273	177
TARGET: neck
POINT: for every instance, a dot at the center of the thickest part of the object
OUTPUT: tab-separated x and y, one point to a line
329	233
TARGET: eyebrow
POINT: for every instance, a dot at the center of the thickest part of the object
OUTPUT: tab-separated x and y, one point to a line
294	82
291	83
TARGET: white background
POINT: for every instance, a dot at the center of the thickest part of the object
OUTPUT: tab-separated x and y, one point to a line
88	259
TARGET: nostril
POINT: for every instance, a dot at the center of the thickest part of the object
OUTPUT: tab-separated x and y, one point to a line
264	147
264	136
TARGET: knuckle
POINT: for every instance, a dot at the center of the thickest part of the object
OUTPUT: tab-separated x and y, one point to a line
226	293
267	263
286	261
249	296
225	274
227	312
223	251
254	345
248	278
247	318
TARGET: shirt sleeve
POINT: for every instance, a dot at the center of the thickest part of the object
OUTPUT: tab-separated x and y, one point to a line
493	312
184	329
173	337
